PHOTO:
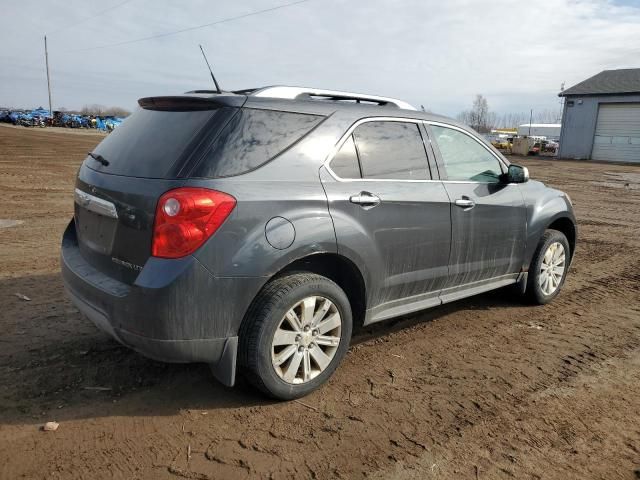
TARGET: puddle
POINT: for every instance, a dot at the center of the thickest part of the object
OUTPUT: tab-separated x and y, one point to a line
6	223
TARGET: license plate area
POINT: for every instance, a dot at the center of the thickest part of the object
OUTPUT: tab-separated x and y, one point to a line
96	231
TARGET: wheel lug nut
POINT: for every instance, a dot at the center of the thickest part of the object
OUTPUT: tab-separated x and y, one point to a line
298	338
306	328
301	349
315	333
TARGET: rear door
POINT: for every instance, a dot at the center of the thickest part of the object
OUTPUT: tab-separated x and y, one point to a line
488	217
390	213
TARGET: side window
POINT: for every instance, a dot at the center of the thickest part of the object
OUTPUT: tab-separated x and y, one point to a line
464	158
391	150
252	138
345	162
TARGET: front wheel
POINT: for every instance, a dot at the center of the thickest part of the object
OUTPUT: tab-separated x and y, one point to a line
549	267
295	334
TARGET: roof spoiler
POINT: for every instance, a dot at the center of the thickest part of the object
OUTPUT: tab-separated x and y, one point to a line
188	103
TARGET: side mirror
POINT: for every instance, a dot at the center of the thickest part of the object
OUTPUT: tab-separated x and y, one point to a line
517	174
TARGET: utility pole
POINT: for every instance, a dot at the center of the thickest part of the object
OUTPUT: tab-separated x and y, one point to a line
530	121
46	59
561	103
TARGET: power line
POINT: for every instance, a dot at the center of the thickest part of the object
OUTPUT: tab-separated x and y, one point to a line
91	17
188	29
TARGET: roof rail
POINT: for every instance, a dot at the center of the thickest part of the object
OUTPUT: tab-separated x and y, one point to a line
309	93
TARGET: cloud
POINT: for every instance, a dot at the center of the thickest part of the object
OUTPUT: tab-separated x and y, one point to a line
435	53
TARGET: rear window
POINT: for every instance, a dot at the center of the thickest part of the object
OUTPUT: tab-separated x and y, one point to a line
251	139
150	142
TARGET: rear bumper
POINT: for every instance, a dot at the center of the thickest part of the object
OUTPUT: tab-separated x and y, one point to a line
175	311
207	350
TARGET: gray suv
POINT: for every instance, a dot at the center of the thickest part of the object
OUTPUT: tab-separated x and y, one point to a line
252	230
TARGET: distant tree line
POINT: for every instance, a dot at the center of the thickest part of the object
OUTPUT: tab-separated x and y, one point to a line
483	120
101	111
98	111
94	109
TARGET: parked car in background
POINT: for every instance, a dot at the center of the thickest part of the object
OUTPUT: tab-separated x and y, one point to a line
252	230
502	143
549	148
535	149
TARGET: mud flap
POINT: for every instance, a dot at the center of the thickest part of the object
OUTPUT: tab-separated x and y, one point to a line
225	369
521	283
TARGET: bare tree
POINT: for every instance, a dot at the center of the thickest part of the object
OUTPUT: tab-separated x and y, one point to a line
464	117
94	109
479	117
117	112
480	114
548	116
101	111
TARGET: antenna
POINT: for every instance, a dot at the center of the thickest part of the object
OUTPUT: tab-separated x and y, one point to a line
210	71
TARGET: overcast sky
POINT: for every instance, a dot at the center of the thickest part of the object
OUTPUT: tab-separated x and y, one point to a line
435	53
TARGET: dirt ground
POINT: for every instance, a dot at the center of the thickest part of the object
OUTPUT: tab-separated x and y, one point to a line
484	388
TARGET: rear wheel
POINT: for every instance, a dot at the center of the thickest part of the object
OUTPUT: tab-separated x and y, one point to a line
549	267
295	335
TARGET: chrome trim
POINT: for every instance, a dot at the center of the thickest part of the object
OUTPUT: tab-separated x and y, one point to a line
282	91
366	200
475	182
95	204
345	136
465	203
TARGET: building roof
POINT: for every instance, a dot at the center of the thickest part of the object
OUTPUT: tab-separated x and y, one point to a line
607	82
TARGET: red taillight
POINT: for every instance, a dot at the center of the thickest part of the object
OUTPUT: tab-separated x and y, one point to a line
186	218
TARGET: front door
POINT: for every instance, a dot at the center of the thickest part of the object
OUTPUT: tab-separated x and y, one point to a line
488	217
390	215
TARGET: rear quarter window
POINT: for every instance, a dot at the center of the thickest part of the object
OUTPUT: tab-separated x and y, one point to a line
252	138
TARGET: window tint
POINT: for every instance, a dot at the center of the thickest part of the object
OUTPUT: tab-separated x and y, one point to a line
345	162
150	142
391	150
251	139
464	158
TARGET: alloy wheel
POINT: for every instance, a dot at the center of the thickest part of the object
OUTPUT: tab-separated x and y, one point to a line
306	340
552	268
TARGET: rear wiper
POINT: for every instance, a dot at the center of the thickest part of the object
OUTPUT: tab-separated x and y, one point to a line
98	158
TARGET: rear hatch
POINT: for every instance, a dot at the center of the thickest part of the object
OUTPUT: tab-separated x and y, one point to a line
119	185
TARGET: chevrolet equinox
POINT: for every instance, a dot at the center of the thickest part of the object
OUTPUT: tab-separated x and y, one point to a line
252	230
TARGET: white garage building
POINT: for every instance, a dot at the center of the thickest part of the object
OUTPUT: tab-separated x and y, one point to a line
601	118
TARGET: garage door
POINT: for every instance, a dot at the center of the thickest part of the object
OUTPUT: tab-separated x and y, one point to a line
617	133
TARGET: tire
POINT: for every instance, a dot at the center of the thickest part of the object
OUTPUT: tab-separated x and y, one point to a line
538	291
270	315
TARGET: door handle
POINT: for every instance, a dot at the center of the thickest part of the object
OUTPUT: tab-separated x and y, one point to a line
465	203
365	199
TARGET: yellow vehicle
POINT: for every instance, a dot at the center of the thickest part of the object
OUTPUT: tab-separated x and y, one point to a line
502	143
